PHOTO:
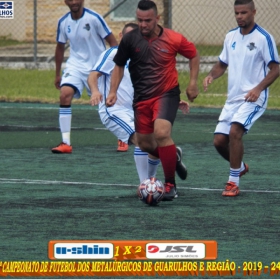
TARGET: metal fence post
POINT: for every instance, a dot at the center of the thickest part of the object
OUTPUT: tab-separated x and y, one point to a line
35	31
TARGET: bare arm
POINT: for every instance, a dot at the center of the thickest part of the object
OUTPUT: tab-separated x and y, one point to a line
59	56
96	96
116	78
111	40
217	71
273	74
192	89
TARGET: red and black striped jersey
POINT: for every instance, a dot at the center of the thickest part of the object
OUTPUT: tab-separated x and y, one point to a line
152	62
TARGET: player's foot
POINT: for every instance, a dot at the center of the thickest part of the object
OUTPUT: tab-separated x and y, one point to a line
170	191
246	169
122	147
180	167
231	189
62	148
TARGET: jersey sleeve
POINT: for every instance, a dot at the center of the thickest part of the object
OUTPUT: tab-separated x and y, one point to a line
105	63
187	48
60	34
122	54
223	57
269	50
101	27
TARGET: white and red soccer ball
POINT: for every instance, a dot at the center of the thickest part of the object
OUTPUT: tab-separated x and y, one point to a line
151	191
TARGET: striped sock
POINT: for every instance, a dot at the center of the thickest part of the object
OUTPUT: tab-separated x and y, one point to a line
152	167
141	162
234	175
65	118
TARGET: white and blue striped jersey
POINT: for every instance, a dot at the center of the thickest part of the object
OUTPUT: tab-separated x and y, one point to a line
86	37
105	65
248	57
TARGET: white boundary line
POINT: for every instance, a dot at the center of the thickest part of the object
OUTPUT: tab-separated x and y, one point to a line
48	182
49	127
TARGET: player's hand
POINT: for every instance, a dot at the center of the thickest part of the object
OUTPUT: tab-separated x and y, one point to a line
57	81
184	107
111	99
96	98
206	82
252	95
192	92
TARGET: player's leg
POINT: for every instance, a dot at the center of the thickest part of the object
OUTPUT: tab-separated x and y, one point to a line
167	154
140	158
153	163
65	118
242	120
71	87
221	143
120	121
155	137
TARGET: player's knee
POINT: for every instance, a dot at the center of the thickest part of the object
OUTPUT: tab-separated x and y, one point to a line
220	141
66	98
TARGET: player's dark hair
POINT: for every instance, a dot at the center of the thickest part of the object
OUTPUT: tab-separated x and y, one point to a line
145	5
245	2
130	24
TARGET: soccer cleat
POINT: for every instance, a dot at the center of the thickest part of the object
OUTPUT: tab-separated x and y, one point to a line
62	148
231	189
246	169
170	191
180	167
122	147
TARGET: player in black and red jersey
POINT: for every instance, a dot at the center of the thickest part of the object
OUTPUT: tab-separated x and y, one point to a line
152	52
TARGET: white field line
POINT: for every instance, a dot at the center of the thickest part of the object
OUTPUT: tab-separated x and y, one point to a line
49	127
49	182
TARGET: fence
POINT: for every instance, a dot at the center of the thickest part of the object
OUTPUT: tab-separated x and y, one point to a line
31	32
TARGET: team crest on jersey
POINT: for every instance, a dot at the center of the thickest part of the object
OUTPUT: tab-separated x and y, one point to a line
251	46
87	27
67	75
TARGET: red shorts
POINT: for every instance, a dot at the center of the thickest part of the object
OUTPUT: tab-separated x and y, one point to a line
160	107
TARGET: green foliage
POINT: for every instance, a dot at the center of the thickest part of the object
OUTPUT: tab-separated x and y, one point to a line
207	50
211	50
7	41
38	86
216	94
30	86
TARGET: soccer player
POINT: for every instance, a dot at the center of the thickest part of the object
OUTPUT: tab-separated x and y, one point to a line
119	119
251	57
87	32
152	52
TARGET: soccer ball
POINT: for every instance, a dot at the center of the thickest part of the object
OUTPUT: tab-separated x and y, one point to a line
151	191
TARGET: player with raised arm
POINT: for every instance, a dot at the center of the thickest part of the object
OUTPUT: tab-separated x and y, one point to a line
86	32
251	57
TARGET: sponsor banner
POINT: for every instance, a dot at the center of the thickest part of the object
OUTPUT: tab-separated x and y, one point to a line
159	268
133	249
6	9
84	250
172	251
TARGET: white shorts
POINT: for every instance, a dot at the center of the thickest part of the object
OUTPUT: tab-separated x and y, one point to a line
77	80
120	121
245	113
